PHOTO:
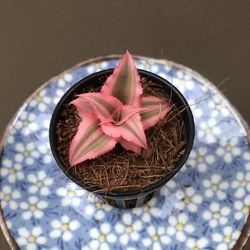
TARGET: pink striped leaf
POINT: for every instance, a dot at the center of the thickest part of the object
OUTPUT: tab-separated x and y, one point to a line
130	146
126	112
153	110
103	106
131	131
89	141
124	83
83	108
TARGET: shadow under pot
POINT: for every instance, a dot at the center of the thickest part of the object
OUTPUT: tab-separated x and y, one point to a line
121	177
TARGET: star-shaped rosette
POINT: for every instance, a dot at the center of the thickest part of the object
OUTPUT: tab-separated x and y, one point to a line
117	114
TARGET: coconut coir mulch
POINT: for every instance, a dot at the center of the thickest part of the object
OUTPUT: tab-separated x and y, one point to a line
122	170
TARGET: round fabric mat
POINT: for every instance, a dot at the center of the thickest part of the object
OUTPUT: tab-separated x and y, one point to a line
205	206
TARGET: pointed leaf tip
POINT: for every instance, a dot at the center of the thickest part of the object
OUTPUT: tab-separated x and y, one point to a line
125	83
89	141
153	110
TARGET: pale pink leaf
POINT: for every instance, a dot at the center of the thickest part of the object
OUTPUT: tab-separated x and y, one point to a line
153	110
130	146
131	131
126	112
103	106
90	141
83	108
124	83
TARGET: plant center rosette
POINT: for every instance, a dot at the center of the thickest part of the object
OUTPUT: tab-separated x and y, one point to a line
117	114
122	133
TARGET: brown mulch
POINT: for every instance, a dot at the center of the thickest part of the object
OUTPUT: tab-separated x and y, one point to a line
122	170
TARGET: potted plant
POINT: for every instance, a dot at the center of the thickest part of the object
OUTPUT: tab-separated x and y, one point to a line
122	133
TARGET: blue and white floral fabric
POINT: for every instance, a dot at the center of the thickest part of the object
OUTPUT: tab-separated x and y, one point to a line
203	207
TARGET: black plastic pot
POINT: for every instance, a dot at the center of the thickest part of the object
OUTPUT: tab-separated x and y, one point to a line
137	197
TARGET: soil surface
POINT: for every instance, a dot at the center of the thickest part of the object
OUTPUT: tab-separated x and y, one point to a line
122	170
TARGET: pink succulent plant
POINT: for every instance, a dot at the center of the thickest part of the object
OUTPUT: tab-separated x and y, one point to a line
116	114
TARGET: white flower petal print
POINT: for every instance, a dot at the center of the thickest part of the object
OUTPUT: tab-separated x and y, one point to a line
215	186
200	159
102	238
218	107
241	184
72	195
9	197
216	215
33	208
96	67
41	101
179	227
26	123
226	238
228	149
196	244
156	238
26	153
63	228
67	77
41	183
242	207
183	81
148	210
31	239
12	171
209	132
189	199
129	229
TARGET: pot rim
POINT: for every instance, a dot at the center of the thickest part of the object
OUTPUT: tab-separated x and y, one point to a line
132	193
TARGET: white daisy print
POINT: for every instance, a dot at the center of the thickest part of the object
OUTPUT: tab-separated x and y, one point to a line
226	239
190	200
156	237
200	159
26	123
197	244
143	65
11	171
95	207
197	112
58	95
218	107
183	81
41	101
241	184
31	239
215	187
27	153
129	230
148	210
242	208
40	183
101	239
72	194
33	208
228	149
209	131
63	228
45	151
11	138
216	215
246	157
97	67
45	127
67	77
179	227
9	196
